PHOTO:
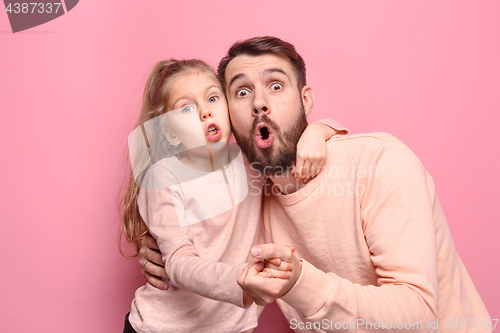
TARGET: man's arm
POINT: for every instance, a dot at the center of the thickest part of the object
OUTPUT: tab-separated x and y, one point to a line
397	217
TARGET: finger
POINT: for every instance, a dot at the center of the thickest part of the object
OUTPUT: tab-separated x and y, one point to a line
270	251
265	275
291	247
253	268
274	261
292	169
155	281
321	165
153	256
152	268
313	170
284	266
298	167
305	169
277	273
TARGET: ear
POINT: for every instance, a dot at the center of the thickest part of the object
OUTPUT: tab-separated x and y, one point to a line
308	97
169	134
174	141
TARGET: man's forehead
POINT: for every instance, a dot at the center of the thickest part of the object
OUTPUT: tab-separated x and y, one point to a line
257	65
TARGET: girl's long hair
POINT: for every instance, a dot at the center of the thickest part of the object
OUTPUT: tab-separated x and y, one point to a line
153	105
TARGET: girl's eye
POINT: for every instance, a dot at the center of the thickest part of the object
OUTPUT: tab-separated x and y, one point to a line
277	86
242	93
213	99
187	109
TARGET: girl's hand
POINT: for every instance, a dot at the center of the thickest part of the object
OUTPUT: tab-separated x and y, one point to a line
311	151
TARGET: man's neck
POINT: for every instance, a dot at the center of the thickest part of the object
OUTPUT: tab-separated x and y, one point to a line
287	184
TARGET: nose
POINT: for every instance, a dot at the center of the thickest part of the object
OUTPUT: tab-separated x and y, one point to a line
260	103
206	113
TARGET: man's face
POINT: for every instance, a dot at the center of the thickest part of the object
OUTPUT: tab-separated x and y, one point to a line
266	109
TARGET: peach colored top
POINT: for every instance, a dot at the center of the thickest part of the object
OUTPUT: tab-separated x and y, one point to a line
375	246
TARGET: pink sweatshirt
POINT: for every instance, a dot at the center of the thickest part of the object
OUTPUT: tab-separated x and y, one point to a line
375	246
203	254
205	232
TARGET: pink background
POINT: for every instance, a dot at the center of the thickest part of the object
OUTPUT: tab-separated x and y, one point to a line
425	71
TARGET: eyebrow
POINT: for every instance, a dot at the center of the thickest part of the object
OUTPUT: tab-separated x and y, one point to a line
237	77
267	72
275	70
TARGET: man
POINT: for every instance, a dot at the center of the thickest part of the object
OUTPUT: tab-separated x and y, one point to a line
372	247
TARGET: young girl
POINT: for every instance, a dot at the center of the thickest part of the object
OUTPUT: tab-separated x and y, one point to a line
191	189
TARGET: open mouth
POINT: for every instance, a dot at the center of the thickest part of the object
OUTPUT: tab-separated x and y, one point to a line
264	137
214	132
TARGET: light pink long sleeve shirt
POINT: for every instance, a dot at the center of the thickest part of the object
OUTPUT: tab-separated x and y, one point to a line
375	246
205	243
204	250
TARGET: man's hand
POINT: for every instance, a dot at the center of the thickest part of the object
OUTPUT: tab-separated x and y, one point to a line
257	279
152	267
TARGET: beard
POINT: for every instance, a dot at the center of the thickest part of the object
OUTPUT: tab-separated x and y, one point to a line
273	161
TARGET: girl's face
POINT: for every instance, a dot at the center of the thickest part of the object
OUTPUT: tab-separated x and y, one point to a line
197	110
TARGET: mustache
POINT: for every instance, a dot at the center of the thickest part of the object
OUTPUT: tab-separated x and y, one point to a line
263	118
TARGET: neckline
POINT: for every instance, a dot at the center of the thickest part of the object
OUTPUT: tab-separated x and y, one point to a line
304	192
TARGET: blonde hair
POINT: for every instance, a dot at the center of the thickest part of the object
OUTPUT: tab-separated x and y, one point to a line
153	105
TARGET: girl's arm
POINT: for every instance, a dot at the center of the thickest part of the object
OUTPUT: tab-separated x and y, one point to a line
311	148
315	135
162	208
151	262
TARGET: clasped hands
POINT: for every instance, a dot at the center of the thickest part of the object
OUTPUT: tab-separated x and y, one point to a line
271	274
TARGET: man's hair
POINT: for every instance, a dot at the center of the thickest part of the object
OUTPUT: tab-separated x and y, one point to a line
264	45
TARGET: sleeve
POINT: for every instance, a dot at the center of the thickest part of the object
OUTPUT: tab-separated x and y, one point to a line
186	270
397	219
339	129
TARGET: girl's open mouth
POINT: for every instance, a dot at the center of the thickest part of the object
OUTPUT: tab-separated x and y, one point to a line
213	132
264	137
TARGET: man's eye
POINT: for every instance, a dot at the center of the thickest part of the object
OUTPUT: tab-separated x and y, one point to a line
277	86
213	99
187	109
242	93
